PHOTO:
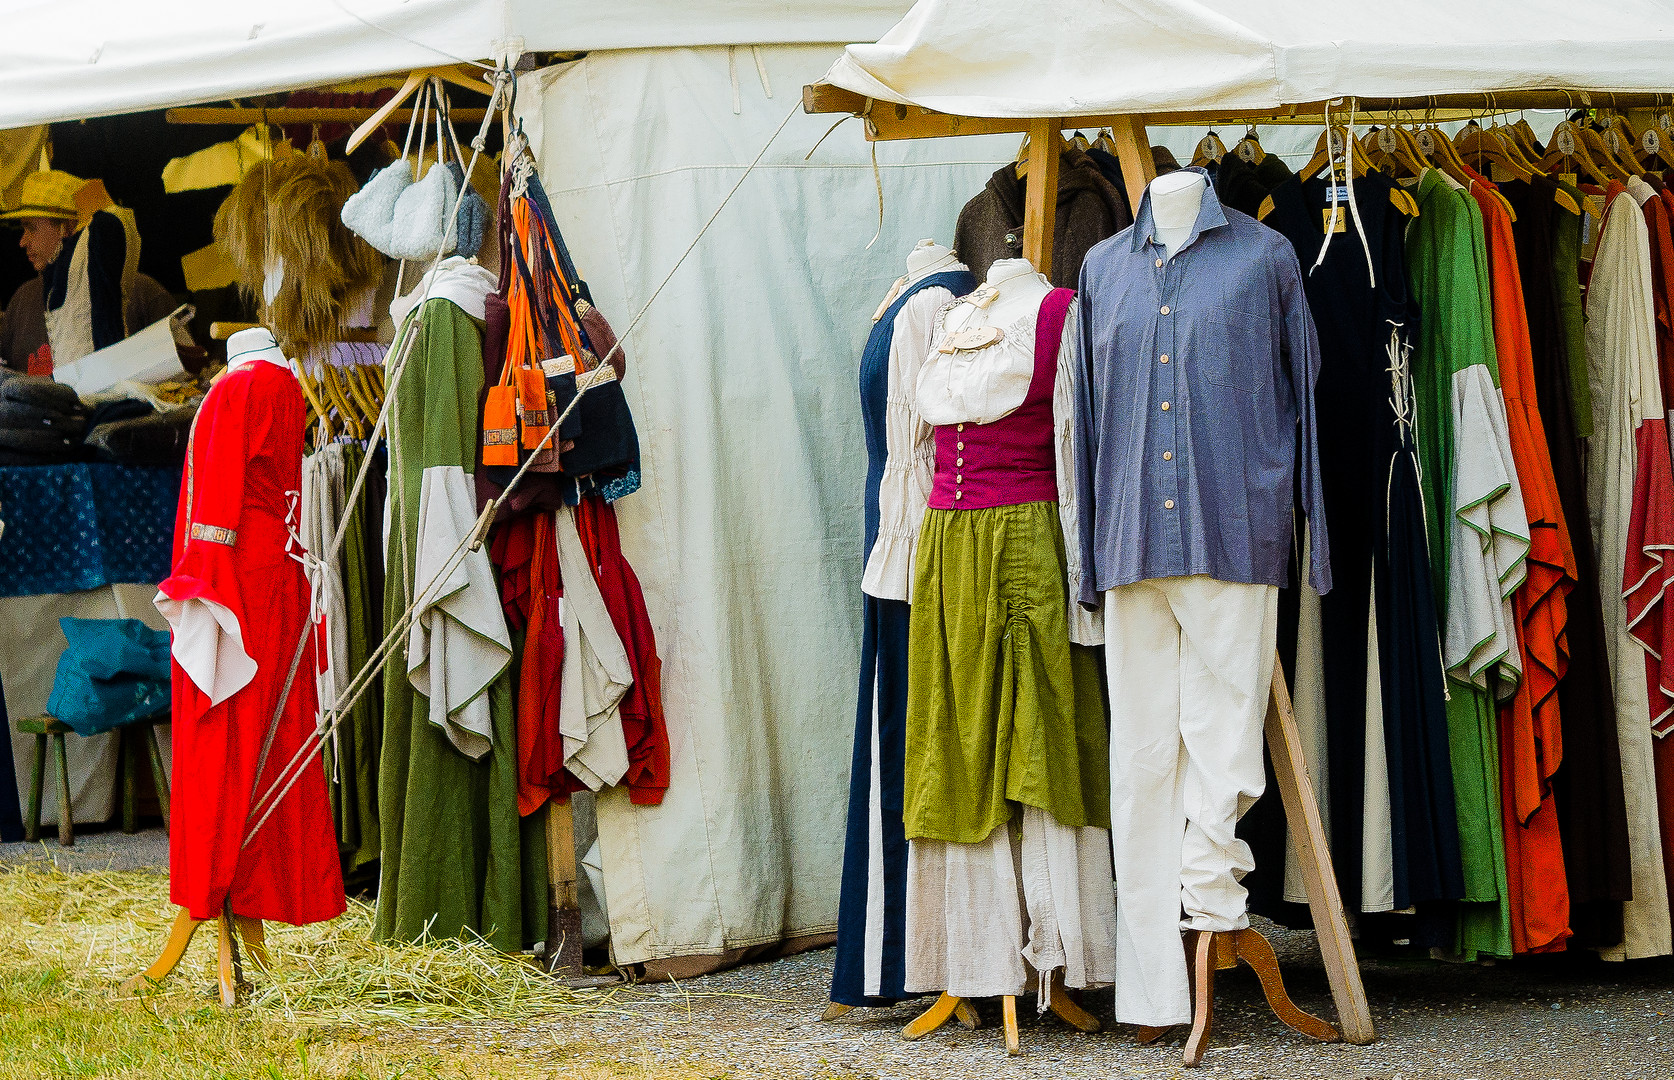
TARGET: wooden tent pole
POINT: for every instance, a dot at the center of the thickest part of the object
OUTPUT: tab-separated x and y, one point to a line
1133	150
1040	193
563	926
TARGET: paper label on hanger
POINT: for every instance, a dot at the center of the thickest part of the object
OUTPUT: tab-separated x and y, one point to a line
1247	151
1426	143
1665	121
1335	219
1564	139
1387	140
1651	141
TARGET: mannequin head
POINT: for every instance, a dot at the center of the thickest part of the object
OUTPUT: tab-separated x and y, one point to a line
927	257
253	345
1175	198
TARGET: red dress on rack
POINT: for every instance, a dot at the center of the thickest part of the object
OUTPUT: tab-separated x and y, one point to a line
237	601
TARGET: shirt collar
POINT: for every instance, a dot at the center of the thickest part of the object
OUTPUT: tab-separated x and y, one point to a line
1210	214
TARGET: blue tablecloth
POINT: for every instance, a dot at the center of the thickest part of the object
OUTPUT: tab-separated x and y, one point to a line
86	525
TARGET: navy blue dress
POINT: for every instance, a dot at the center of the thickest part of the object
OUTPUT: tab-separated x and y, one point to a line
883	681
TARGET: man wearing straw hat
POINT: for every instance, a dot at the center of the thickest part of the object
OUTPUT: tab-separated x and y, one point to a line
48	214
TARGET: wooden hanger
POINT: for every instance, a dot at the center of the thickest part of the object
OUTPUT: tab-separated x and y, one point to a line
1651	145
1249	147
1398	197
1525	136
1567	147
1438	149
408	88
1021	163
1080	142
1607	159
1507	139
1209	149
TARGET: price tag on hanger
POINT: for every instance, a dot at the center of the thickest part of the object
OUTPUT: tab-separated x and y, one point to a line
1565	140
1387	142
1651	142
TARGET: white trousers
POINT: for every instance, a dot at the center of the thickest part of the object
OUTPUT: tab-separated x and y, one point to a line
1190	661
990	918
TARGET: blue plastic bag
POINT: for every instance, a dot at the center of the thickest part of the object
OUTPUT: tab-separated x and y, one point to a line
114	672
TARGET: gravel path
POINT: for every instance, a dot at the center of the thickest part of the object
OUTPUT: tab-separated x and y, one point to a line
110	849
1562	1020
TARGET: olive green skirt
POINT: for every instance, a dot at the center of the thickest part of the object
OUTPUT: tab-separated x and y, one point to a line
1001	708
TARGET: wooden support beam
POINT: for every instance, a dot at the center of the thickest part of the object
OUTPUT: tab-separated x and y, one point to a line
249	114
1040	193
563	922
894	121
1307	832
1133	150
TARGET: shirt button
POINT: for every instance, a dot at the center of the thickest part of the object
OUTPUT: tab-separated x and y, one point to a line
1168	455
961	427
957	495
1165	309
1164	358
1159	262
958	478
960	462
959	446
1165	406
1168	504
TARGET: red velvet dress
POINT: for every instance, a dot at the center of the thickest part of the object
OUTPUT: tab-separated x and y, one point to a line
238	600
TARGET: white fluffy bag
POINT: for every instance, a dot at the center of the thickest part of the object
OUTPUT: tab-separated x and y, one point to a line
370	212
422	215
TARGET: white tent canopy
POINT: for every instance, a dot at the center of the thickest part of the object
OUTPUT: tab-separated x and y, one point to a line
69	59
1037	58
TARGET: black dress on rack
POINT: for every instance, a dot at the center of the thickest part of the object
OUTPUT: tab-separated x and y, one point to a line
1592	814
1369	475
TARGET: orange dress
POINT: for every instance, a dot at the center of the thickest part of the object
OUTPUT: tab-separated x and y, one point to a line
1531	742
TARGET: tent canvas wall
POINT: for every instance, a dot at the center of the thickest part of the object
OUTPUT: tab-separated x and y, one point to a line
742	379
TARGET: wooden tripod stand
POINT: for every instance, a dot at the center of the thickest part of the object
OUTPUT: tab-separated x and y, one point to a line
230	929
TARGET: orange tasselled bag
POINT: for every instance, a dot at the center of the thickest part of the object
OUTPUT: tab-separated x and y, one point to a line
500	409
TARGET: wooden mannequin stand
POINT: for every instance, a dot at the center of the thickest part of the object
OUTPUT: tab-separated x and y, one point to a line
229	973
887	121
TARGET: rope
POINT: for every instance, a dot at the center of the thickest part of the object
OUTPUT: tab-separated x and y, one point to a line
315	741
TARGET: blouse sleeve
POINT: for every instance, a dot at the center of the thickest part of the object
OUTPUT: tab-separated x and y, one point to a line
1086	627
910	467
201	598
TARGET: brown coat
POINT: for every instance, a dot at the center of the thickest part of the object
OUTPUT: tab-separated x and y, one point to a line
1090	209
23	329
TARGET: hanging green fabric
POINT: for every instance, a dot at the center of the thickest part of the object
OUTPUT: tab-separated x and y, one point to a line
456	857
1478	531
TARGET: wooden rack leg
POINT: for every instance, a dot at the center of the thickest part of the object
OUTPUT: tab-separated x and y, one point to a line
1202	973
180	936
254	936
1067	1009
834	1010
225	969
159	775
66	821
1008	1014
1307	832
932	1018
1251	947
966	1014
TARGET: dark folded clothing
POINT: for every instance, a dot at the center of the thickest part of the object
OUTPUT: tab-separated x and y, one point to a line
49	445
40	391
158	439
16	416
120	409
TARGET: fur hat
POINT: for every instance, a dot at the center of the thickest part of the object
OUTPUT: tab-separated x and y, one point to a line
325	266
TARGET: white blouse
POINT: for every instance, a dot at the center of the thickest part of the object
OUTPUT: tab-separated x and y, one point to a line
910	444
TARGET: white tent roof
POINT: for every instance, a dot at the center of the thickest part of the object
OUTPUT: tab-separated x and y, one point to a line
68	59
1030	58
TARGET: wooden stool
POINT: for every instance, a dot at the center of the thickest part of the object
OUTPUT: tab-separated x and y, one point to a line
46	728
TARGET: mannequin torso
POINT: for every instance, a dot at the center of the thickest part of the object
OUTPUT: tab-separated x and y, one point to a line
1020	289
927	258
1175	200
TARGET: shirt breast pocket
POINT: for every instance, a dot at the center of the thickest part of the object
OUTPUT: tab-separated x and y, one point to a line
1234	350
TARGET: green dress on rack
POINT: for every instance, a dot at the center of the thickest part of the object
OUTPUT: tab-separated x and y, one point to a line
352	755
1477	527
457	859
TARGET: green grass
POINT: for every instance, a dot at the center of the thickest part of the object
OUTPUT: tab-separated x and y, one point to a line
339	1007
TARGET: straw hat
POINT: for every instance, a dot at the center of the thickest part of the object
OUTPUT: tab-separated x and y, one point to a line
50	193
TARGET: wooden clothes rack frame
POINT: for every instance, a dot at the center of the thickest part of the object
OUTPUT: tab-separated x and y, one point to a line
888	121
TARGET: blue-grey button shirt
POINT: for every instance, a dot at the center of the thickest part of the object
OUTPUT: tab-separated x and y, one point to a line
1195	406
